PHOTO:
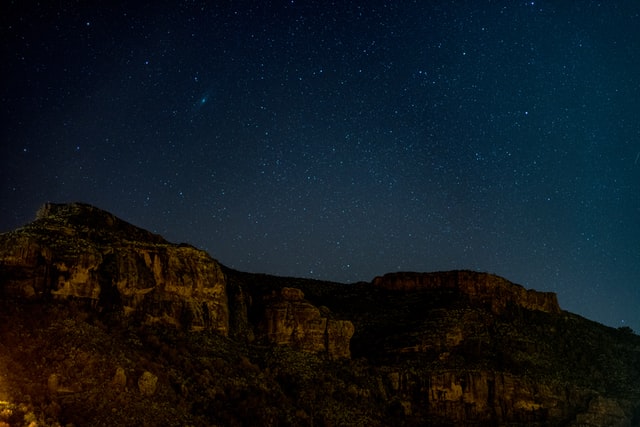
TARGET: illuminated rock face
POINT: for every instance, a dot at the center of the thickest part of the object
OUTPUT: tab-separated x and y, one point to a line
76	252
447	348
291	320
81	253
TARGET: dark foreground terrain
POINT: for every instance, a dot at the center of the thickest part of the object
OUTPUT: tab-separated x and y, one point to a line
105	324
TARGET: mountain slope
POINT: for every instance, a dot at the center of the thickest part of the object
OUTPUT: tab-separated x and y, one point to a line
103	323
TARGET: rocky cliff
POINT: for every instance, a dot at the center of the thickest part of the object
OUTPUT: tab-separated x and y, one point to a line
81	253
103	323
291	320
483	288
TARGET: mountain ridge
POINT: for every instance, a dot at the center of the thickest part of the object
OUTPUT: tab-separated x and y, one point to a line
458	347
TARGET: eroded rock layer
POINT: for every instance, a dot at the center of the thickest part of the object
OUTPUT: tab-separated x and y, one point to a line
76	252
82	253
292	320
479	287
104	323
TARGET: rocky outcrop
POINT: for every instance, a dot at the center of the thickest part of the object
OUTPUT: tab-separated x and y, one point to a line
482	397
602	412
483	288
76	252
291	320
491	397
82	253
451	348
147	383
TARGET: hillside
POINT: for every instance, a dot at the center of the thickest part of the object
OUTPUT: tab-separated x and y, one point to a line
104	323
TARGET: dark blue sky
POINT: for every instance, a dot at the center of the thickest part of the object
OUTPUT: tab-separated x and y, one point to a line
342	141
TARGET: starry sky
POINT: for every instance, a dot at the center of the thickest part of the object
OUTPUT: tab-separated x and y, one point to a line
342	140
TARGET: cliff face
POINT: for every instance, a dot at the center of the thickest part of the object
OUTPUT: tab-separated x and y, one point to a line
77	252
291	320
102	323
487	397
483	288
81	253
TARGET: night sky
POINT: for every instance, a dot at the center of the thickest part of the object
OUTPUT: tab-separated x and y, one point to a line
343	140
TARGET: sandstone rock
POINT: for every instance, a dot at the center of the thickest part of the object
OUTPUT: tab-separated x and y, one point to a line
147	383
602	412
291	294
239	302
291	320
53	383
494	291
452	348
394	379
119	381
337	338
479	396
79	252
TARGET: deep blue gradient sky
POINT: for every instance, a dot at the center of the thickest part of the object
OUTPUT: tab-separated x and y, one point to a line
342	141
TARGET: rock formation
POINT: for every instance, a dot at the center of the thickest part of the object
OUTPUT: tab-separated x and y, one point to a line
291	320
103	323
482	288
82	253
78	252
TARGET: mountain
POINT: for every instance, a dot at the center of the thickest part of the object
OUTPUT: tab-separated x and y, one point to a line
104	323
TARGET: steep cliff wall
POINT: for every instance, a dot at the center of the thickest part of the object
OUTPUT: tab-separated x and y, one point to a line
452	348
80	252
482	288
291	320
483	397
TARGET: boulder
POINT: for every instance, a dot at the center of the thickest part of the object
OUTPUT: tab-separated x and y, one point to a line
147	383
119	381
